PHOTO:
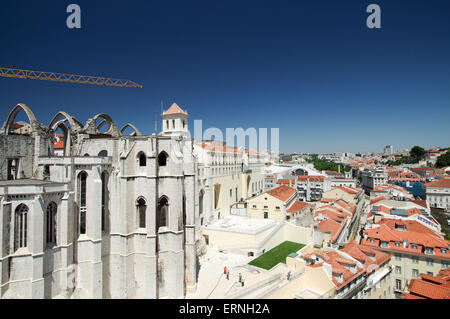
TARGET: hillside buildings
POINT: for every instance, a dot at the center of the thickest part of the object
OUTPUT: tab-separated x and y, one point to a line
371	178
388	150
416	249
311	187
353	272
437	193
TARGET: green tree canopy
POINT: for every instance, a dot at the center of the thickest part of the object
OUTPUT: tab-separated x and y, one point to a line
417	152
443	160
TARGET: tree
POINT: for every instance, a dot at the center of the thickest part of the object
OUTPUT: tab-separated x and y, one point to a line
417	152
443	160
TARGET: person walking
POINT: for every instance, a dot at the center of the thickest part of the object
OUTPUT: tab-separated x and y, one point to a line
228	275
240	277
225	270
242	282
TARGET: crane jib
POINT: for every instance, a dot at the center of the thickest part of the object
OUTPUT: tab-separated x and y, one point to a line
61	77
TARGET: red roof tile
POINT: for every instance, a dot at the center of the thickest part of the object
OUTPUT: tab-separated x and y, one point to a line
297	206
282	192
443	183
174	109
428	290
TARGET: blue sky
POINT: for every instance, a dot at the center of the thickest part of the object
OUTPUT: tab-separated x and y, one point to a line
311	68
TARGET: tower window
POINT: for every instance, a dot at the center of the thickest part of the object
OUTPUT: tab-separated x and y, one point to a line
162	159
105	201
142	160
52	208
21	226
142	208
82	183
162	213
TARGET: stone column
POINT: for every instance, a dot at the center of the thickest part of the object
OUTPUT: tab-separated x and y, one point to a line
190	251
118	229
65	239
93	257
35	242
5	217
150	256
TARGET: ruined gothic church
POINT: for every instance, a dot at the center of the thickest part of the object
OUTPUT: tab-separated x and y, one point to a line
109	215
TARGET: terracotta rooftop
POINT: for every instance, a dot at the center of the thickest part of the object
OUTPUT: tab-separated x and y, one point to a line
443	183
59	143
282	192
386	233
297	206
174	109
430	287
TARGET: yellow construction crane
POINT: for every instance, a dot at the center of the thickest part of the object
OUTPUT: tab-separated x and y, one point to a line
71	78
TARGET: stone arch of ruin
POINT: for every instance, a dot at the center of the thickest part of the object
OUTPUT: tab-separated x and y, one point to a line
92	128
75	125
128	125
12	116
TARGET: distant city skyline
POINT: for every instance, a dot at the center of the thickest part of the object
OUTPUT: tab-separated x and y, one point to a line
374	152
312	69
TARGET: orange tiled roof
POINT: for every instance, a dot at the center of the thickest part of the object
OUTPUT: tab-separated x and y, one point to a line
59	143
297	206
411	225
311	178
286	181
221	148
336	216
333	173
442	183
16	126
174	109
282	192
338	264
377	199
332	226
387	234
349	190
335	209
362	254
427	290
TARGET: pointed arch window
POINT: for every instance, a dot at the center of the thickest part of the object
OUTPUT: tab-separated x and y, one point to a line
200	202
105	201
82	188
142	159
162	159
141	212
103	153
20	226
162	215
50	224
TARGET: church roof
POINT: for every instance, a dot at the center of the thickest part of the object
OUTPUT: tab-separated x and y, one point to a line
174	109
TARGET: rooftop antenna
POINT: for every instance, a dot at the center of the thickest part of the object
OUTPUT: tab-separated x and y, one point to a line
156	117
156	122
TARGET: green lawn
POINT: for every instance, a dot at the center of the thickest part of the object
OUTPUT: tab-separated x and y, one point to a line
276	255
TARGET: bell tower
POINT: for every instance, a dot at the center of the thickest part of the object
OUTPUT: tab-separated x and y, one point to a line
175	121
